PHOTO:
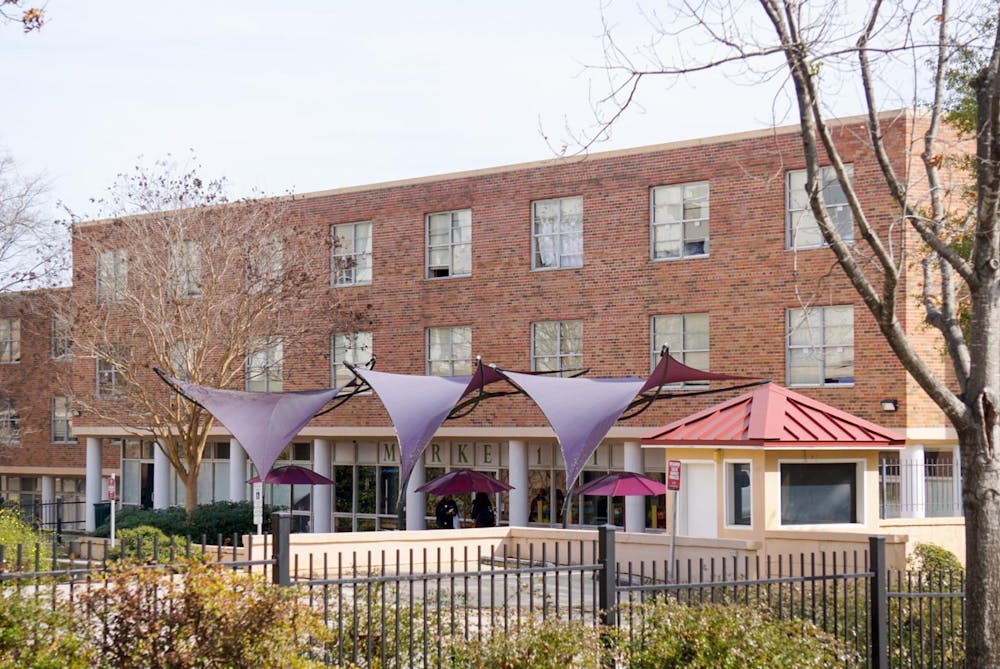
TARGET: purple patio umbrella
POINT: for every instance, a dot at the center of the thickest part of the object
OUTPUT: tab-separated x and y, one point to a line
460	481
293	475
622	484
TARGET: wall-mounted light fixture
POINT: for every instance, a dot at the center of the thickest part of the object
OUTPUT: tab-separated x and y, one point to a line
890	405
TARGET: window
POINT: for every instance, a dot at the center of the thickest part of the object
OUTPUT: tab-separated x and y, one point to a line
184	269
802	230
62	338
62	420
686	335
355	348
739	493
449	244
449	351
679	220
557	346
821	346
110	372
10	420
112	275
10	340
818	493
265	264
557	233
352	253
264	368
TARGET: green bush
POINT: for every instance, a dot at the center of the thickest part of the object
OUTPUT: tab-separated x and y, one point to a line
15	531
931	557
727	636
535	644
172	521
209	616
208	520
34	635
150	544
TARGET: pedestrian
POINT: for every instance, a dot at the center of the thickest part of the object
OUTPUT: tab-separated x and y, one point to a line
446	512
482	511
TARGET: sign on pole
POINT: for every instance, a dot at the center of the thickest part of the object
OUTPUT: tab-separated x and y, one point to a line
258	506
673	483
673	475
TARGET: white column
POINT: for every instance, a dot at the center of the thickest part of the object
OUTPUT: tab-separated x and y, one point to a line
93	484
49	501
635	505
416	502
237	472
956	457
911	482
322	512
161	478
517	469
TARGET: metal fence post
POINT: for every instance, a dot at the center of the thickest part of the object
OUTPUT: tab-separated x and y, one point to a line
281	530
879	603
607	595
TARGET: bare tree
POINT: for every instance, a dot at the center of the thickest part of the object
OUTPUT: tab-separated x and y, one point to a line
15	11
818	49
208	290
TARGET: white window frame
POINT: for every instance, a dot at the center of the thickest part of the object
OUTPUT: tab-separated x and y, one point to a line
265	361
458	247
561	240
729	489
685	226
61	426
10	341
821	346
112	275
859	487
61	342
798	211
561	357
184	269
353	347
351	260
455	362
687	349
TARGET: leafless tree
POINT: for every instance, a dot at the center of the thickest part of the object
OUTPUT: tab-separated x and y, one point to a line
201	287
819	49
15	11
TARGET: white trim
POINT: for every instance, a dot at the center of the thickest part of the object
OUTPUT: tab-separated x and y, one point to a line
726	490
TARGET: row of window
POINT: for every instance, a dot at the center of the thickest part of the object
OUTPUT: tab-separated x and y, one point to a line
679	228
820	349
60	423
10	340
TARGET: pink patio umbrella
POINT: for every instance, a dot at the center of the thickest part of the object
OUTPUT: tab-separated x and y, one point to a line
622	484
460	481
293	475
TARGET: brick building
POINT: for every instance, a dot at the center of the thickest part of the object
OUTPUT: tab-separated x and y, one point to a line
577	263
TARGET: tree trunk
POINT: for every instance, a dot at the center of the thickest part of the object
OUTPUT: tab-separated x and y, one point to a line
981	497
191	490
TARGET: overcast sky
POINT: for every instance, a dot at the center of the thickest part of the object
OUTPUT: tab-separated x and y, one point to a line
308	95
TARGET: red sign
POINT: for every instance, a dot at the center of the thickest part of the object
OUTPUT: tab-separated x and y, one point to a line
673	475
111	487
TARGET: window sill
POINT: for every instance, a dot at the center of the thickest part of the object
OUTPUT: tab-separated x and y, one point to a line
676	258
449	276
350	285
820	385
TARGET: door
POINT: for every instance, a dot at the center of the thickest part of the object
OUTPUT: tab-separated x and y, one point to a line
697	501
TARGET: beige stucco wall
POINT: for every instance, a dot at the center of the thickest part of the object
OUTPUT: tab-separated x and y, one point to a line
944	532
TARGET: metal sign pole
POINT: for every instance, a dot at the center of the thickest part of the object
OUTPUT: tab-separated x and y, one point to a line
673	541
111	498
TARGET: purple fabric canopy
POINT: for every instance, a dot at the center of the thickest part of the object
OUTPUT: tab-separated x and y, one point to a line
580	411
417	406
669	370
263	423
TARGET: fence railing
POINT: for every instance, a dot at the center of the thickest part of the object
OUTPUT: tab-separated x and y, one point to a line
396	608
915	488
62	515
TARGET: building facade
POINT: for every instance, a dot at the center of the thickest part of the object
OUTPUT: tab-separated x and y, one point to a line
592	263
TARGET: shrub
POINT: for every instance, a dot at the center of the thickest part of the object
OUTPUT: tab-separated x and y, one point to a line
931	557
14	531
208	520
34	635
730	636
150	544
209	616
172	521
536	644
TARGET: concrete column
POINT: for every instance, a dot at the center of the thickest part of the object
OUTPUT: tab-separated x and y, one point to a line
161	478
416	502
93	483
520	494
911	482
237	472
49	501
635	505
322	495
956	482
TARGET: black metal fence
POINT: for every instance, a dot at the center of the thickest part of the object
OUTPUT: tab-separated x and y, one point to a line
395	609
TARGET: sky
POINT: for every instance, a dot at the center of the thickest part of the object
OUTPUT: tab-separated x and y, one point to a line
310	95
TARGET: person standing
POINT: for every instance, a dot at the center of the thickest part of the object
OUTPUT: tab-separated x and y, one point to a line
446	512
482	511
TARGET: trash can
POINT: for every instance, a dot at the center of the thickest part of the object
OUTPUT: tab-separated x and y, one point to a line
102	513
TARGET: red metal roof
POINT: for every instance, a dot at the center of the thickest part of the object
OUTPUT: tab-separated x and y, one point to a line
774	417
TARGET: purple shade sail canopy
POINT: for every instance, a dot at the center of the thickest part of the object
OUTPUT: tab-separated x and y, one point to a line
580	411
461	481
263	423
622	484
417	406
669	370
293	475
